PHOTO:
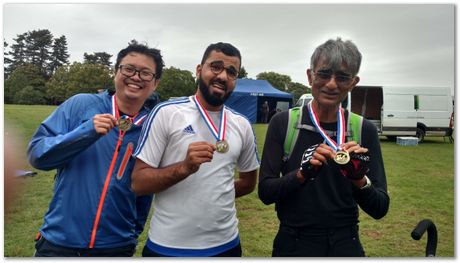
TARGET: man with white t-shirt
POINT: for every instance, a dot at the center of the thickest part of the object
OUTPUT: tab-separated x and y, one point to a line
187	155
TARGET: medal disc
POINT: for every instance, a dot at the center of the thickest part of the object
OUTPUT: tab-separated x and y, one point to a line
222	146
342	157
124	124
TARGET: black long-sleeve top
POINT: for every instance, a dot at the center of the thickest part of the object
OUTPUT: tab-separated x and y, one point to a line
330	200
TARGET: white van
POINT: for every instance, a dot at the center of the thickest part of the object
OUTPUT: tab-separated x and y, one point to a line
405	111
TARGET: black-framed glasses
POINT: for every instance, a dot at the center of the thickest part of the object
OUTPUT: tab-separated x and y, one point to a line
218	66
129	71
341	78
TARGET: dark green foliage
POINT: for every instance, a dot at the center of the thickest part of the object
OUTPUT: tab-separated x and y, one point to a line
77	78
243	74
59	57
101	58
297	89
26	85
277	80
175	82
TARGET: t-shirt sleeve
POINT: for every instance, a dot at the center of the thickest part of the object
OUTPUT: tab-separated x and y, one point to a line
153	139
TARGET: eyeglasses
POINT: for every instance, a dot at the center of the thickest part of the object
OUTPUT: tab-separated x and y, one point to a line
342	79
218	66
129	71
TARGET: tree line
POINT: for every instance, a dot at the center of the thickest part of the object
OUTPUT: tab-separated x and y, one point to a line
37	71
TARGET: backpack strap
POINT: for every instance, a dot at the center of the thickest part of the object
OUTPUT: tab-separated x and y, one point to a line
355	125
292	132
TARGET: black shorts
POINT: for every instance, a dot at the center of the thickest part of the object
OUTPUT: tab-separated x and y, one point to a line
307	242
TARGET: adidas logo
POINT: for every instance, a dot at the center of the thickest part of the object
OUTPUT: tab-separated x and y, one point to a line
189	130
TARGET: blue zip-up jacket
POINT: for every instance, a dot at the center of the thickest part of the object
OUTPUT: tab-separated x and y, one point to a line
68	142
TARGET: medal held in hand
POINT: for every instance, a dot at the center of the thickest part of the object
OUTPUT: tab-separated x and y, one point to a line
341	157
221	144
124	123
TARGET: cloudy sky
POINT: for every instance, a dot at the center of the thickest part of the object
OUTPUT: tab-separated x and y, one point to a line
410	44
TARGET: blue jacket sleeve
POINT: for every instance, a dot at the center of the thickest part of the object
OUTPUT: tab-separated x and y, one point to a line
143	204
63	135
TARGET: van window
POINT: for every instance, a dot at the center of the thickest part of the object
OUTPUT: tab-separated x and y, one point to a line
416	102
399	102
433	103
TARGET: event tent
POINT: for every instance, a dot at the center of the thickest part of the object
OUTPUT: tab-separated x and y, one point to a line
250	94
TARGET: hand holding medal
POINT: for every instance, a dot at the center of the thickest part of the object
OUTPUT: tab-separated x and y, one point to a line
358	164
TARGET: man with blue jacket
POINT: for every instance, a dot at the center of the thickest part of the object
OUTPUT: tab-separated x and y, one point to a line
89	140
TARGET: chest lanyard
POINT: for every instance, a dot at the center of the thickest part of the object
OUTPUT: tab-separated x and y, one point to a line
121	134
340	127
221	144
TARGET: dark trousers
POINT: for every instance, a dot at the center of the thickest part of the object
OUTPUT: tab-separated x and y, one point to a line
307	242
44	248
233	252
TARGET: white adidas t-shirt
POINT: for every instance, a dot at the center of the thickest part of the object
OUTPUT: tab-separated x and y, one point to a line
199	211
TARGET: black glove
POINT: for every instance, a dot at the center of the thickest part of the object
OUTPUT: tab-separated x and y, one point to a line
357	167
308	170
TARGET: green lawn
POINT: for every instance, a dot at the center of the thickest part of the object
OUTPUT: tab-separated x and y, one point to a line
420	183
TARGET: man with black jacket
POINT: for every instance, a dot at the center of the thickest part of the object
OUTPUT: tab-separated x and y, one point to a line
327	174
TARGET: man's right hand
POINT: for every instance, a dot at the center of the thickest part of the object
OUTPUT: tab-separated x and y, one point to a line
103	123
313	158
197	153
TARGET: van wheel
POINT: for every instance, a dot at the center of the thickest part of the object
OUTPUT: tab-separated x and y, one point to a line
420	135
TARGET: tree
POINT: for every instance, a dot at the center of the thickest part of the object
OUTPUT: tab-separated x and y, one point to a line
101	58
77	78
6	60
38	49
17	53
60	55
277	80
176	83
242	74
25	76
297	89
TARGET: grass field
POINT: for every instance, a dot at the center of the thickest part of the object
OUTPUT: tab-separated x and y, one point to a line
420	184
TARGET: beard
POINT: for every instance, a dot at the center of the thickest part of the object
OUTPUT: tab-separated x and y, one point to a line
212	99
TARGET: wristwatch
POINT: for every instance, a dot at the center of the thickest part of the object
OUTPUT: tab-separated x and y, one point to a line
368	183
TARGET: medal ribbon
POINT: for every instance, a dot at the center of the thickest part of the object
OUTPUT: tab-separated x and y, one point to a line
340	127
218	134
116	113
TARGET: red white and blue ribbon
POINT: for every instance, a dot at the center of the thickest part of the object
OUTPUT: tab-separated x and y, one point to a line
116	113
340	127
219	134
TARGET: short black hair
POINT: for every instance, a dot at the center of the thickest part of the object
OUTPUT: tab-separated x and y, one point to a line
226	48
154	53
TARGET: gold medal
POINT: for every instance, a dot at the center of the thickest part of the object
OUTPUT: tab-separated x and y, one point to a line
222	146
124	124
342	157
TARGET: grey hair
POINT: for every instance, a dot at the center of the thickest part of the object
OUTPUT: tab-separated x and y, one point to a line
337	53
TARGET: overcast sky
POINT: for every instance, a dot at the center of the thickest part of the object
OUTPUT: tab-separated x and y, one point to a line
410	44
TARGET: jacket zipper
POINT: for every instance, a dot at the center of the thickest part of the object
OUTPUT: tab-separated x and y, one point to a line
104	190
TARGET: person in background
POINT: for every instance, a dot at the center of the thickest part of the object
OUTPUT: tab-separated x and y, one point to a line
89	140
187	155
327	176
265	110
